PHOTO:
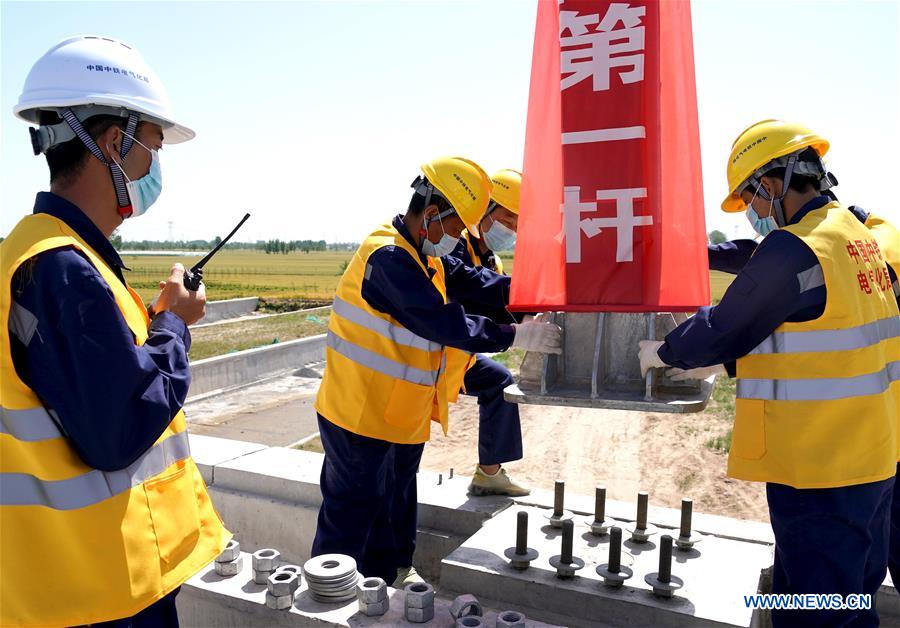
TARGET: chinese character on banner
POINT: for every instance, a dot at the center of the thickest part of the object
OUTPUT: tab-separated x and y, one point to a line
612	199
852	251
616	42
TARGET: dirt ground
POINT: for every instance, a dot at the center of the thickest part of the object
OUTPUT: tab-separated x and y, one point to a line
664	454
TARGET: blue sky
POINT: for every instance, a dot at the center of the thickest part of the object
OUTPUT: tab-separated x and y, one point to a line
315	115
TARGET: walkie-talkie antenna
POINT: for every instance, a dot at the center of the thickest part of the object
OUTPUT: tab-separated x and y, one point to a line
194	276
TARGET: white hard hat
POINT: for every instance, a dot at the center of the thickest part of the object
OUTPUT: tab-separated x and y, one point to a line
103	72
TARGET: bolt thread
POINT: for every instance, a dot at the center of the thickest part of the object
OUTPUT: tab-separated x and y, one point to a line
643	500
615	550
600	504
568	532
559	493
687	511
521	532
665	558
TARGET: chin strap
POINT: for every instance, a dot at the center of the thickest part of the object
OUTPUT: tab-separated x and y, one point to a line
118	177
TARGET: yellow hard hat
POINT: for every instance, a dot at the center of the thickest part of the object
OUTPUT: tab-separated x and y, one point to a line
464	183
758	145
507	188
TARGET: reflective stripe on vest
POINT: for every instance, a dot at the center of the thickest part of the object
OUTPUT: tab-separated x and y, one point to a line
822	389
379	363
33	424
95	486
830	340
394	333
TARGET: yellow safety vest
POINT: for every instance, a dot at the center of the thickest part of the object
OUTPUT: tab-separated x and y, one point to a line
888	239
79	545
381	380
817	401
459	361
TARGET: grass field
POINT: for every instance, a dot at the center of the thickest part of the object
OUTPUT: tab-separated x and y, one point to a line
301	276
232	274
239	335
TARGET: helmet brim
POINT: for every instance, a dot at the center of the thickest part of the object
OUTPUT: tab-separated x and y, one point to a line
173	132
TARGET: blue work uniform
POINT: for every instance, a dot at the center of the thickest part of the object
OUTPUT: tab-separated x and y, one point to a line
369	485
825	538
731	257
499	425
71	345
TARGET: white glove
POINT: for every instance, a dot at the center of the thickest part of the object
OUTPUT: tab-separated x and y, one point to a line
681	375
540	337
649	356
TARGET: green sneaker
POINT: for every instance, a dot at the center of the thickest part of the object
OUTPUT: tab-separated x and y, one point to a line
498	484
405	576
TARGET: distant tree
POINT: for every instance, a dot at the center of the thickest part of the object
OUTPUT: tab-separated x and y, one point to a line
717	237
116	240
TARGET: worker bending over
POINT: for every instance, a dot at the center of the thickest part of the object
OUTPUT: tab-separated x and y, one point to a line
499	426
385	378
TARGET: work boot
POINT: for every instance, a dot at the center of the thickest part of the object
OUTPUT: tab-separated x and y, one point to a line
405	576
498	484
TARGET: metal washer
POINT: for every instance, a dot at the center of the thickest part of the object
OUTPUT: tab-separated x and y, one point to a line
315	569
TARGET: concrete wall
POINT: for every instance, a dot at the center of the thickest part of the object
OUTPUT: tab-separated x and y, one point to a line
245	367
229	308
270	497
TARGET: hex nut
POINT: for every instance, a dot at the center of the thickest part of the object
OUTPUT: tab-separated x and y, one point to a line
419	615
266	559
466	605
419	595
510	619
472	621
371	590
375	609
231	568
261	577
231	552
283	583
279	602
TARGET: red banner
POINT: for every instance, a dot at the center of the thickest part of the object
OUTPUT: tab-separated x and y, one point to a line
612	215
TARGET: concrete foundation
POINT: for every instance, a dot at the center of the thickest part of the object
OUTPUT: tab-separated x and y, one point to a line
269	497
208	599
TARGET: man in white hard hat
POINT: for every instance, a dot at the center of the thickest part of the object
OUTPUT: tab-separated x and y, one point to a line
98	490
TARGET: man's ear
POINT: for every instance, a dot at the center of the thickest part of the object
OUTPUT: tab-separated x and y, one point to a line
772	186
110	141
431	211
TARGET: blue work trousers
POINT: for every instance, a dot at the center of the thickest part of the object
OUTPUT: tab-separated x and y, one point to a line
499	427
830	540
368	501
894	554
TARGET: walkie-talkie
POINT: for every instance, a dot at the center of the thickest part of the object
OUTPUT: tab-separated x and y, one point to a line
194	277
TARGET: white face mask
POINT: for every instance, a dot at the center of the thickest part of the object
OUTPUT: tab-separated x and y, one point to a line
143	192
500	237
762	226
444	247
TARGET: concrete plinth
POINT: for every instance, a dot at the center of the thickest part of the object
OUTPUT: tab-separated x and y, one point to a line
712	595
209	599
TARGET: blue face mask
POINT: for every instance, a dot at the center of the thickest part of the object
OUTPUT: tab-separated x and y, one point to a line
500	237
762	226
143	192
444	247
